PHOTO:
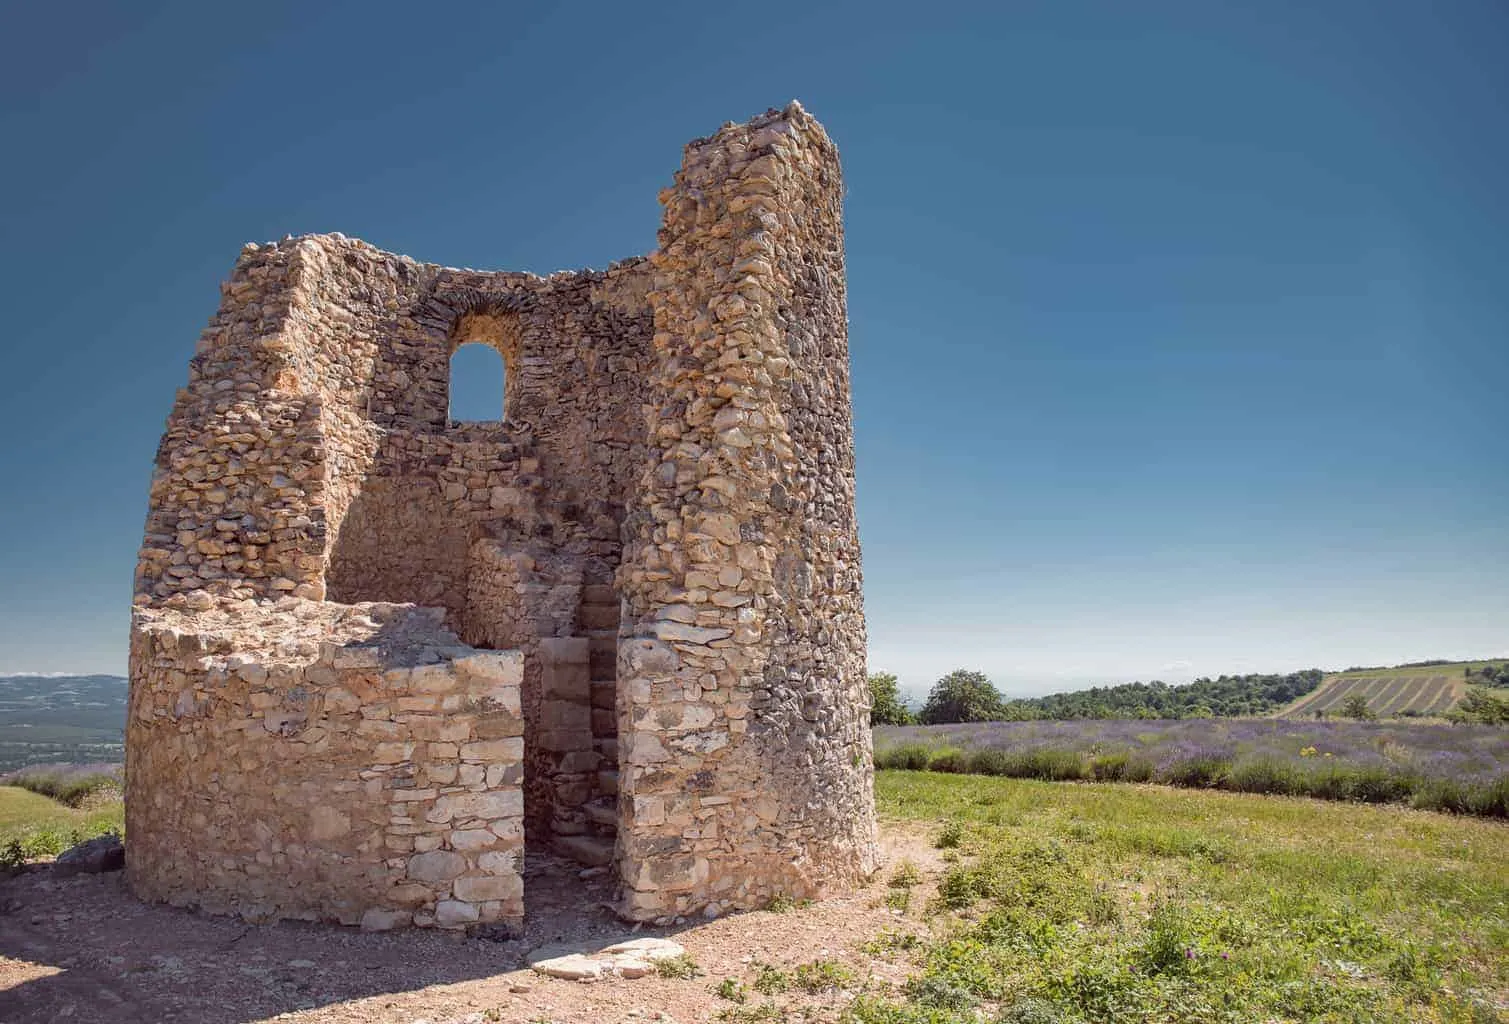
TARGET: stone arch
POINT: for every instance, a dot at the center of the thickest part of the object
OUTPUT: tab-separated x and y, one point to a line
492	321
484	398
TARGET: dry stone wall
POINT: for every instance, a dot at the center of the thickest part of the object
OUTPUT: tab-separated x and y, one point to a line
311	760
746	755
660	531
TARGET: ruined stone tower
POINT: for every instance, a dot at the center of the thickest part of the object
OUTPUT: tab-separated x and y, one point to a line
373	649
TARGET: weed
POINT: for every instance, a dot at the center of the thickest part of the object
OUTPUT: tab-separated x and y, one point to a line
781	903
1031	1011
766	1011
941	993
731	989
1169	944
950	836
1337	913
823	976
771	981
889	941
682	966
907	874
12	855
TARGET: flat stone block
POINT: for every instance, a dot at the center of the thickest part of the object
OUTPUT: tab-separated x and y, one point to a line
564	650
589	850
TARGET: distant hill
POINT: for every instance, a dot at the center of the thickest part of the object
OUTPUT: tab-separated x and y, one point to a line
1223	697
1422	688
61	719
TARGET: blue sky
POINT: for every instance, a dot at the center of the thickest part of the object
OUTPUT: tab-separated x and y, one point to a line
1179	329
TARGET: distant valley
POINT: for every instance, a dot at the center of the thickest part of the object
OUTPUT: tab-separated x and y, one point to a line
61	719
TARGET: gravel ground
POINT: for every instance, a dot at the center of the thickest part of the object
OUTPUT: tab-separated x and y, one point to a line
83	949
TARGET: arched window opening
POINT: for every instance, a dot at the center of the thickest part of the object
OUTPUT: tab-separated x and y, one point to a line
479	382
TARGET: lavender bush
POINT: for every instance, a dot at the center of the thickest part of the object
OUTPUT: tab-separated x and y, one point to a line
1461	768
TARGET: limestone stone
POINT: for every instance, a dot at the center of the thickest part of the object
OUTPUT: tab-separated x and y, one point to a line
572	967
454	913
375	919
436	866
362	631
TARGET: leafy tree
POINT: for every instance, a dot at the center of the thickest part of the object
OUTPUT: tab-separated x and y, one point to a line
1356	706
963	696
1483	706
1489	675
886	705
1223	697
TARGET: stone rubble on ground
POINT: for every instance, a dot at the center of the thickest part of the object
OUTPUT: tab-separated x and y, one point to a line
103	853
634	958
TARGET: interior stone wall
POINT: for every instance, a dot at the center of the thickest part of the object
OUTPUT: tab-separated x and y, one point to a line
662	529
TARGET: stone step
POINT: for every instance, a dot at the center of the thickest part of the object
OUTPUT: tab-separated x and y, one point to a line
599	593
593	851
607	782
604	722
602	811
604	693
599	616
602	647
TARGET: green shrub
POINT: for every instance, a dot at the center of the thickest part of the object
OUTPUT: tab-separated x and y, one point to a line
1053	765
1262	776
906	757
1489	800
1197	772
961	886
989	762
1120	766
72	790
950	836
948	759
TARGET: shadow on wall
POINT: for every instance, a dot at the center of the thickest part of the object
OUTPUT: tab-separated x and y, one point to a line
401	542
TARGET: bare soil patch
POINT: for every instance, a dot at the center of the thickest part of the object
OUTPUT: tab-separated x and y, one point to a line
83	949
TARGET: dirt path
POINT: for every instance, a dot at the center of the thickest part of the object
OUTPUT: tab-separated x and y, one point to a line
83	949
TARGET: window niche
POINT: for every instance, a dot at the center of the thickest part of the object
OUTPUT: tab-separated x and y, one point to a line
484	348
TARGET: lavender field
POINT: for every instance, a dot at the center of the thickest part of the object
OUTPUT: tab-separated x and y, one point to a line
1462	768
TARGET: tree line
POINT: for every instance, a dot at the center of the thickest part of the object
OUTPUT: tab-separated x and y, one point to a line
968	696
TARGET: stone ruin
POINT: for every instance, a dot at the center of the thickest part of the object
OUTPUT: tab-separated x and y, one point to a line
375	650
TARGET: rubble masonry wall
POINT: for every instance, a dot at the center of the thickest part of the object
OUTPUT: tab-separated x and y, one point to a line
661	528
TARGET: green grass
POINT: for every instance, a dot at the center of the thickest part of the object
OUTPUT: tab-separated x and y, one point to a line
32	825
1120	903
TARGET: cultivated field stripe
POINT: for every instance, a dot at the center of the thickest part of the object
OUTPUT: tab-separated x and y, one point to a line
1389	691
1412	696
1334	696
1443	700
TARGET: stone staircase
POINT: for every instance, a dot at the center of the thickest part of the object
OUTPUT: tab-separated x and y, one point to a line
599	623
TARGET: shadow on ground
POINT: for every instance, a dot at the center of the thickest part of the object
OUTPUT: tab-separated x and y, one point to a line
84	949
